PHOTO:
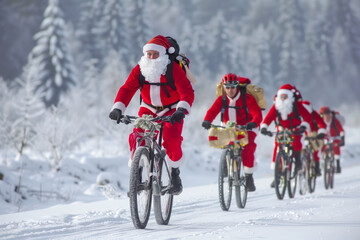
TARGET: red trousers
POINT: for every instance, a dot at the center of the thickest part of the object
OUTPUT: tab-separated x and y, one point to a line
172	138
248	152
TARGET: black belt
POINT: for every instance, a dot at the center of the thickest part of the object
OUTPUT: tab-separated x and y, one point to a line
160	108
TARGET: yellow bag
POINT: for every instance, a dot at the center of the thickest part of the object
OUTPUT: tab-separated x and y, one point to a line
221	137
316	144
254	90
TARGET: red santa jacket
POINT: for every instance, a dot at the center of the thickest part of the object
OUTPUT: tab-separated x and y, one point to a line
317	123
156	95
334	125
238	115
291	121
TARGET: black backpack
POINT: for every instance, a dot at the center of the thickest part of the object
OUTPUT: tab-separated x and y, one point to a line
174	57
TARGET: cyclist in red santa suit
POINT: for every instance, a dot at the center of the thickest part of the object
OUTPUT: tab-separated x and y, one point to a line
333	129
317	125
236	111
159	99
288	112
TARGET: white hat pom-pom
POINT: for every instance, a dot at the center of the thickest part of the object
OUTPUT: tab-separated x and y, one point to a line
171	50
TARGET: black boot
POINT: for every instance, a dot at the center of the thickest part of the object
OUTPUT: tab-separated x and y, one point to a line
298	165
250	186
176	187
317	169
338	168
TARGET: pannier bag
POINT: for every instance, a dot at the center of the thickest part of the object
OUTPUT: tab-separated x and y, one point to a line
221	137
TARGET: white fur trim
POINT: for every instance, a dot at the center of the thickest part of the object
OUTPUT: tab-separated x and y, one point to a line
272	165
305	124
232	111
119	105
250	170
184	104
154	47
155	97
264	125
308	108
171	50
284	91
174	164
337	157
321	130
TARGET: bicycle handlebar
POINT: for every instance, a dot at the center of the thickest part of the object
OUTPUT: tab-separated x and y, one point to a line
219	126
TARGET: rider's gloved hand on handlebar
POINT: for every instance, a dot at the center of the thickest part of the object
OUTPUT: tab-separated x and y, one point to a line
301	130
178	115
250	125
116	114
206	124
265	132
320	136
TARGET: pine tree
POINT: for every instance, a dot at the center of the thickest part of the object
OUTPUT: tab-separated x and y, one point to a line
50	61
87	29
139	28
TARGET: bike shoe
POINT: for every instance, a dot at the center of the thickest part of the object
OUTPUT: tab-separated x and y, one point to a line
176	186
250	186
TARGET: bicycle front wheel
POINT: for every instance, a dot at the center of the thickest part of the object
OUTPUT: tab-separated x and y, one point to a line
280	173
162	199
327	172
225	179
292	178
240	186
140	189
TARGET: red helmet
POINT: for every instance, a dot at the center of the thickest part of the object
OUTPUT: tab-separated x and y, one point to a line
324	110
230	79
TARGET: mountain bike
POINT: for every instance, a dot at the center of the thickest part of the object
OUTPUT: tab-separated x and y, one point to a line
329	162
285	176
149	173
231	174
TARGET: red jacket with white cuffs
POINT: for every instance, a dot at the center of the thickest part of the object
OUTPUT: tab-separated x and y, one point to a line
291	121
154	95
236	115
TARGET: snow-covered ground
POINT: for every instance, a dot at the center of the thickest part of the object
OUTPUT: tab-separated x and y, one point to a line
70	203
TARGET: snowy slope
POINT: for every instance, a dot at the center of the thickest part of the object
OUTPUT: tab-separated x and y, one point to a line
325	214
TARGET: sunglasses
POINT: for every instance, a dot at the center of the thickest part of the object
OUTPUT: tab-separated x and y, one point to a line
230	86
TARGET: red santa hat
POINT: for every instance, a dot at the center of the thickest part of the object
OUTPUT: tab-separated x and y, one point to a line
243	81
160	44
290	90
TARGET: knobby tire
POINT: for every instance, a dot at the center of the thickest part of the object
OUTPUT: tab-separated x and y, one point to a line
225	180
139	190
280	173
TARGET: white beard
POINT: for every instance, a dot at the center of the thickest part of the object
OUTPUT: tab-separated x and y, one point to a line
284	107
152	69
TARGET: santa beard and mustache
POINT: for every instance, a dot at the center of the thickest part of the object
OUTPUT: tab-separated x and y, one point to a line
284	107
152	69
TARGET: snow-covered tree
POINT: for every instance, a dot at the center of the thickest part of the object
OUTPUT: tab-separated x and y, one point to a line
29	108
259	60
220	42
291	20
50	61
139	28
87	28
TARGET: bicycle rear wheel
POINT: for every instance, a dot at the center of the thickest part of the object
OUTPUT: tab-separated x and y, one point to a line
280	173
311	175
240	186
225	179
140	189
303	183
162	199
